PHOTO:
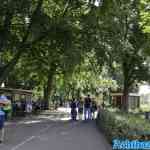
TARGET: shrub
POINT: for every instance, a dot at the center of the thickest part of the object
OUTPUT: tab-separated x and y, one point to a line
119	125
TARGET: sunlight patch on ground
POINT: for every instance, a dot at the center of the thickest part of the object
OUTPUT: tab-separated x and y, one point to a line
31	122
62	109
55	117
65	119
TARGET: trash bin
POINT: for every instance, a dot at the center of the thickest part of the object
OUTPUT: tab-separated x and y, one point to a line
2	119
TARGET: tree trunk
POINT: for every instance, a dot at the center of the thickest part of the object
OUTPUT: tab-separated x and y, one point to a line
127	78
125	97
48	87
78	93
68	94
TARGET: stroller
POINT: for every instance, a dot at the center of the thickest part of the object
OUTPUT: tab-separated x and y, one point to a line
73	110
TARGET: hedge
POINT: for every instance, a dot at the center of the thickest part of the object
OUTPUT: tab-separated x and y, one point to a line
118	125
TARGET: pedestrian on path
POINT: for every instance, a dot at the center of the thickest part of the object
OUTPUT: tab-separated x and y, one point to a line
2	120
80	109
29	107
87	108
73	109
93	110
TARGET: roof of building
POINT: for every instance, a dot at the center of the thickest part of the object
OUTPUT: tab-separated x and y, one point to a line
121	94
18	91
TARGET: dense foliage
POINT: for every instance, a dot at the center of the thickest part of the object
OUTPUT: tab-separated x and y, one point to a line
74	47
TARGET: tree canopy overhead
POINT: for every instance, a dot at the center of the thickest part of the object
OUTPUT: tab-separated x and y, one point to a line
60	44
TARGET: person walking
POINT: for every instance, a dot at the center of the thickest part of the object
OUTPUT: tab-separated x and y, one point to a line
80	109
73	109
29	107
2	120
87	108
93	110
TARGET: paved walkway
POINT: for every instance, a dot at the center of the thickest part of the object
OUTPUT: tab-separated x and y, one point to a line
53	132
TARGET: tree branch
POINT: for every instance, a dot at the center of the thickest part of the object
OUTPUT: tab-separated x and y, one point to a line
66	8
38	8
7	24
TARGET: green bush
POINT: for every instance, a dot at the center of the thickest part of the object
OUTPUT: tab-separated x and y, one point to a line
119	125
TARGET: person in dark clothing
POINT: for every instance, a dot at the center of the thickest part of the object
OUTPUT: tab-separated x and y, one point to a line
14	108
80	109
87	108
93	109
23	108
73	109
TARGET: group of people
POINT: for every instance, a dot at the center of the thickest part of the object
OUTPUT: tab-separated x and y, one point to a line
86	109
23	107
81	109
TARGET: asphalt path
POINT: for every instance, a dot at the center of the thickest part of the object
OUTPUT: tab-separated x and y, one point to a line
53	131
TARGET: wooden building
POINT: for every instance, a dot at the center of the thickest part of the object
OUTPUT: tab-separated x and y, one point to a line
16	94
133	100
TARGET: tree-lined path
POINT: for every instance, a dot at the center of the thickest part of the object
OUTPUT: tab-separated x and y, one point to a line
52	132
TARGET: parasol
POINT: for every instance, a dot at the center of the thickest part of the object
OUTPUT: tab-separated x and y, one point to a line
4	100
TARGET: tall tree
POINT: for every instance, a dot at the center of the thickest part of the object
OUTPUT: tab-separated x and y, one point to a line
17	19
120	40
